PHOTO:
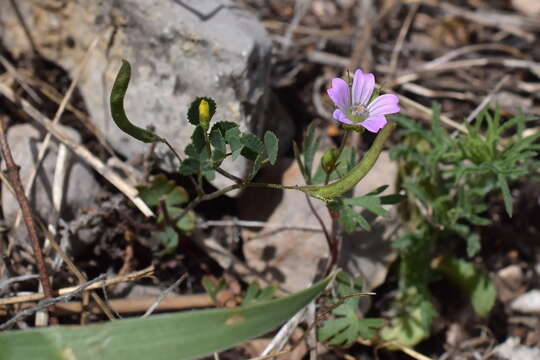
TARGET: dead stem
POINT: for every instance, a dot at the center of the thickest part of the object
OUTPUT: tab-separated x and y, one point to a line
15	181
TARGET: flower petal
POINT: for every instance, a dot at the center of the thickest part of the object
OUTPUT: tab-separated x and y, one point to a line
363	85
339	93
340	116
374	123
384	104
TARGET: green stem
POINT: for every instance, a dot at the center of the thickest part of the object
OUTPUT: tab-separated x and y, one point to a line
176	154
343	142
326	192
228	175
340	150
349	180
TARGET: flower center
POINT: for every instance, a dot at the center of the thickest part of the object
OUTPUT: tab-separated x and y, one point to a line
359	113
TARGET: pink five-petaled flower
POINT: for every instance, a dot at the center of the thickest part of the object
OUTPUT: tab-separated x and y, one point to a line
353	106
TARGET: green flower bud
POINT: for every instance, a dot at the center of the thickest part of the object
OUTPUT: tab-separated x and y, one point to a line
328	161
204	115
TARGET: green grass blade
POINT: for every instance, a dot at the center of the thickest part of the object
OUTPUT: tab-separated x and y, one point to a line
185	335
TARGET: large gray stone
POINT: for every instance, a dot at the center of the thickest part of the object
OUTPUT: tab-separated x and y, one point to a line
178	50
80	186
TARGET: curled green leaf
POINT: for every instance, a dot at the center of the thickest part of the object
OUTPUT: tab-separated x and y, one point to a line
117	107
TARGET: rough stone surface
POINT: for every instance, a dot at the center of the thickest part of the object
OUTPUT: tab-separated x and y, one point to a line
528	303
80	186
511	349
178	50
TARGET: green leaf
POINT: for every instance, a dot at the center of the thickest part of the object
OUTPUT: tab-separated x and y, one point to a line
224	126
162	189
232	137
198	161
156	191
507	197
193	110
351	219
392	199
253	146
378	190
218	144
186	224
347	325
271	144
168	238
189	166
255	167
309	148
473	244
198	141
255	294
417	191
474	282
251	293
118	113
176	196
413	322
184	335
213	288
369	202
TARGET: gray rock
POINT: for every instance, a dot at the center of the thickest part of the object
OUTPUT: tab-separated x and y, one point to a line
528	303
511	349
80	186
178	50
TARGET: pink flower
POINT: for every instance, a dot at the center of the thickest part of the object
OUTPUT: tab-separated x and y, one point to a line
354	107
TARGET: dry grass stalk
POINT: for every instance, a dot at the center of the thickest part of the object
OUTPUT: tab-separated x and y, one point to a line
136	275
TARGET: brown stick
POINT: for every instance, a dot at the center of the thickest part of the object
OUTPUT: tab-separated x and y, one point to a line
146	272
130	306
14	179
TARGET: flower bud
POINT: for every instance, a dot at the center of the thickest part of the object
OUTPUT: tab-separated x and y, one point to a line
328	161
204	115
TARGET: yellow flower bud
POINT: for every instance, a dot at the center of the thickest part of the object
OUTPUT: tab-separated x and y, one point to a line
204	115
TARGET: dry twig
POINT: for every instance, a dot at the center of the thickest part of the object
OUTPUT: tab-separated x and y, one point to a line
163	295
256	224
48	303
401	37
80	276
15	181
136	275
